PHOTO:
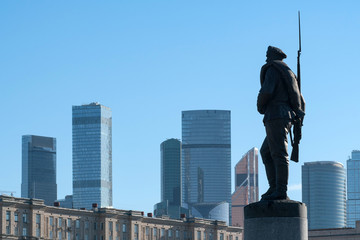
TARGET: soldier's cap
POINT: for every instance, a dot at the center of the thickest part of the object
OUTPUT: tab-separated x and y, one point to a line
275	53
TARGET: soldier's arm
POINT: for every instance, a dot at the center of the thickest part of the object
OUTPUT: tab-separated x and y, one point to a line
267	90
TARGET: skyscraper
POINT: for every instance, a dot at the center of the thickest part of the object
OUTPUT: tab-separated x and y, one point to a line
246	186
353	189
39	168
324	193
92	159
171	171
170	205
206	163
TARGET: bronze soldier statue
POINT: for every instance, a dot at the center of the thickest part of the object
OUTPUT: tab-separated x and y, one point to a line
282	104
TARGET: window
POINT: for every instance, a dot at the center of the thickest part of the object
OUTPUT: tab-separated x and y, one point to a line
24	218
124	227
60	234
95	226
210	236
38	232
147	230
51	234
60	222
77	224
16	217
86	237
136	228
7	229
86	224
162	232
24	233
7	215
110	226
230	237
101	226
198	235
117	227
38	218
155	232
169	233
69	222
221	236
68	236
77	235
177	235
16	230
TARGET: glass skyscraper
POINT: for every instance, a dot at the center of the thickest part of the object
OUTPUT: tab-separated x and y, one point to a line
206	162
353	189
246	186
92	155
39	168
324	193
170	205
171	171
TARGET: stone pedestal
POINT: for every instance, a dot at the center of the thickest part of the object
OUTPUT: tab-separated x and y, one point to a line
280	220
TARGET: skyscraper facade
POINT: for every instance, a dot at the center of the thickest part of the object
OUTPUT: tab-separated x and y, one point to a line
324	193
170	151
39	168
246	186
353	189
92	155
170	158
206	162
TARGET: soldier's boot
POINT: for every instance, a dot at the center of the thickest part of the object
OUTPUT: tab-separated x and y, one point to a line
271	176
282	175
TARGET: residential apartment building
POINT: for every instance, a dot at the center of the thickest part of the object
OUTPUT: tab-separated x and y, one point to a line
23	218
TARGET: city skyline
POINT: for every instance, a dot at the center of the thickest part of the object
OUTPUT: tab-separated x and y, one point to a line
150	61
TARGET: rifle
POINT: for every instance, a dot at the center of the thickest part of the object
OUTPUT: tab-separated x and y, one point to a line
298	122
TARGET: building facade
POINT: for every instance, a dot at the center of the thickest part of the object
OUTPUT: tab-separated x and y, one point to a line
246	186
170	161
324	193
336	233
39	168
92	155
170	151
353	189
206	161
30	219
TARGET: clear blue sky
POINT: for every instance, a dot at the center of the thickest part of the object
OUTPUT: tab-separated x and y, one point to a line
149	60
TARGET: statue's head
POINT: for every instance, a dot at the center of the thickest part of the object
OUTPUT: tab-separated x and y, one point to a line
274	53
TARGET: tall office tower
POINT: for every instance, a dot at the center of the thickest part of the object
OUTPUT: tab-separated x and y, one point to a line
246	186
353	189
39	168
171	171
324	193
170	204
206	163
92	159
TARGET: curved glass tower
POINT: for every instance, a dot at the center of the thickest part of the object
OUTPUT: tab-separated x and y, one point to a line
324	193
206	157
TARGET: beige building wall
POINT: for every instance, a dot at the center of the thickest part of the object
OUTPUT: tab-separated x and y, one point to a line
336	233
23	218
